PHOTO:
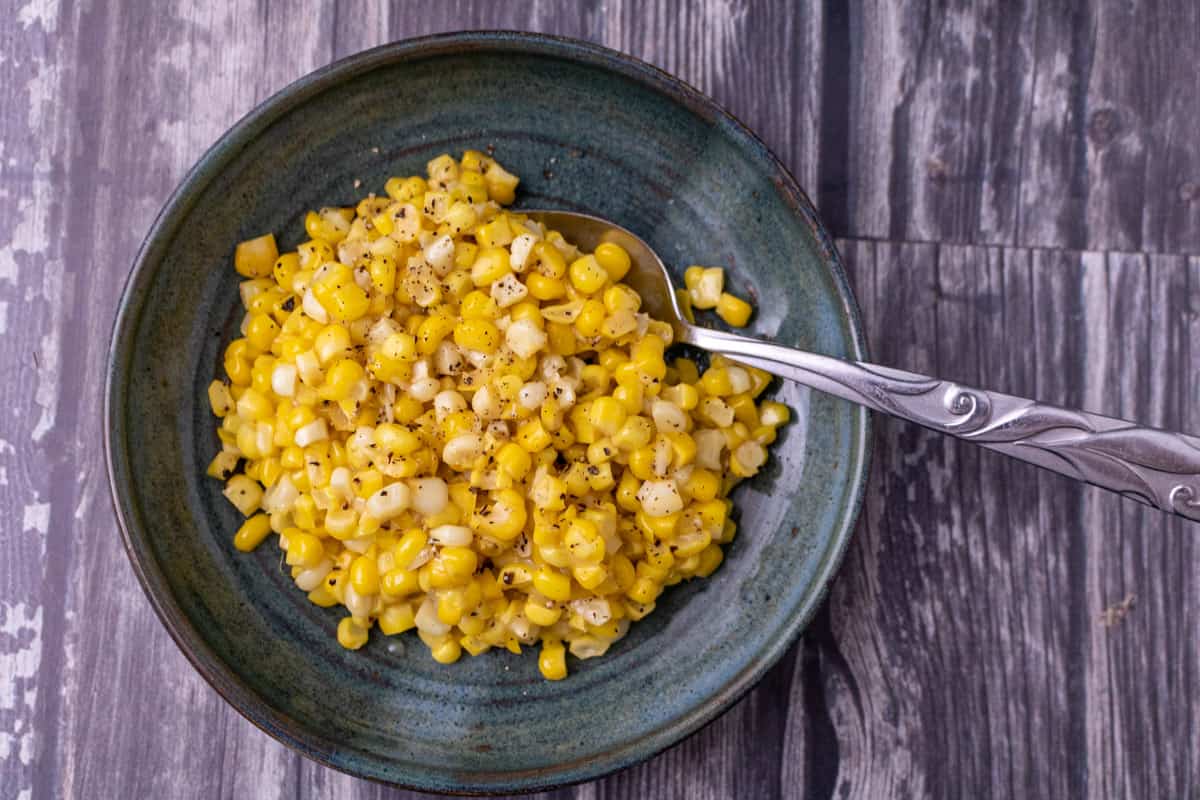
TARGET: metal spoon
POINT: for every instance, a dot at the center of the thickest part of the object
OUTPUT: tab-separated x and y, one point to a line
1157	467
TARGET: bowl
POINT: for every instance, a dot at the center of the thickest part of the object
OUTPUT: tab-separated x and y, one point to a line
587	129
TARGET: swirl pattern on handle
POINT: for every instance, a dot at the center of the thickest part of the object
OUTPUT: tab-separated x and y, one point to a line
1156	467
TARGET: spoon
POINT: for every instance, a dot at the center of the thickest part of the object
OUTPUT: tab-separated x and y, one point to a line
1157	467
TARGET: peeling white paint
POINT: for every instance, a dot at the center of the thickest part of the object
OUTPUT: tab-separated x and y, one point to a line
41	12
3	317
46	393
22	625
86	494
37	517
3	476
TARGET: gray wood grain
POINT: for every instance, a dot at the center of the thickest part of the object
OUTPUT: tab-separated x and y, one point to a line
965	648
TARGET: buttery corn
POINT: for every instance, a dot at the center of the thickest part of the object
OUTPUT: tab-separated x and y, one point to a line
459	423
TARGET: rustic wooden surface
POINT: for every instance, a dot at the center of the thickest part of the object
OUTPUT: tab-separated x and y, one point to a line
1017	189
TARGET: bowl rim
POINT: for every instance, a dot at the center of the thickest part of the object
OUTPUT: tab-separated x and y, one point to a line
220	675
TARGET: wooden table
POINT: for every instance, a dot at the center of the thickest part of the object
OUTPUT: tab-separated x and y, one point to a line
1017	192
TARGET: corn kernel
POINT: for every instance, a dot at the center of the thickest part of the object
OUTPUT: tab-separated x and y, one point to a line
252	533
255	258
733	310
587	275
552	662
350	634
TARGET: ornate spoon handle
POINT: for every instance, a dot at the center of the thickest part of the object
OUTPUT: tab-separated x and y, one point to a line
1157	467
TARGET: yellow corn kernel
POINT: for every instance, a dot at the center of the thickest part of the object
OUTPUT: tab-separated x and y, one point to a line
347	303
410	544
734	310
364	575
405	189
332	343
255	258
329	224
545	288
400	347
532	436
703	485
399	582
505	518
641	463
432	331
477	334
304	512
542	613
244	493
514	460
547	261
284	270
552	584
478	305
447	652
304	549
644	591
473	644
683	448
552	661
219	398
341	379
252	533
627	491
710	558
396	619
496	233
261	331
587	275
589	576
350	634
660	527
457	561
614	259
590	319
715	382
322	596
223	465
237	362
607	415
683	395
561	338
584	542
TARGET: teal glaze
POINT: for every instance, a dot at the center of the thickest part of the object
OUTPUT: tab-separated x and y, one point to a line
587	129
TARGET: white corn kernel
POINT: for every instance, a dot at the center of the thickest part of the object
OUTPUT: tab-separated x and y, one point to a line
283	380
660	498
429	495
524	338
532	395
451	536
389	501
314	431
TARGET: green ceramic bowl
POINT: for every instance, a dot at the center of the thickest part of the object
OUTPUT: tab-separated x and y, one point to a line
587	129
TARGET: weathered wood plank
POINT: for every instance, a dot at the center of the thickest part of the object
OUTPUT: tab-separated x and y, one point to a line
37	296
128	697
1140	728
1031	123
